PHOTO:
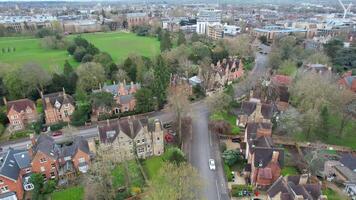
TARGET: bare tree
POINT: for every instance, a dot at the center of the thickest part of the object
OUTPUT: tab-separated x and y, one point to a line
206	72
178	103
176	182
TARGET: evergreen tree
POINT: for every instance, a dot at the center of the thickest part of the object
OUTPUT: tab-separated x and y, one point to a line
166	43
144	100
181	38
195	37
161	81
324	123
130	68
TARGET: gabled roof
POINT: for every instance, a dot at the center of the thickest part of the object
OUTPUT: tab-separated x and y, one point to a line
79	143
46	145
349	161
12	161
289	189
263	156
60	97
248	107
130	127
20	105
281	80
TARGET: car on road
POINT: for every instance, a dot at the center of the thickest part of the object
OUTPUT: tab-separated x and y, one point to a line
57	133
211	164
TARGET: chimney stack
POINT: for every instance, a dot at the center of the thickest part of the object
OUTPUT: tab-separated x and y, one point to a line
41	93
30	150
157	125
5	101
275	156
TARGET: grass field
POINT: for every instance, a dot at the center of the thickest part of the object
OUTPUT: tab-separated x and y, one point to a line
118	45
152	166
74	193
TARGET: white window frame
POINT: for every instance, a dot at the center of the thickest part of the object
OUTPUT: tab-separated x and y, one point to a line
4	188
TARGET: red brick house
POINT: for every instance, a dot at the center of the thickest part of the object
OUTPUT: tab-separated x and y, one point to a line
44	153
53	161
225	72
58	107
21	113
124	96
15	170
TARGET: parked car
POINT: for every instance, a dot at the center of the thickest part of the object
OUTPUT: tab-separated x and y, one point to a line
57	133
211	164
236	140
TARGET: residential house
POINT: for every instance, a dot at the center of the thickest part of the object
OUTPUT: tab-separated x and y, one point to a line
131	136
124	96
226	71
295	187
73	158
54	161
348	80
21	113
44	154
15	170
281	83
254	111
58	107
343	171
318	68
264	159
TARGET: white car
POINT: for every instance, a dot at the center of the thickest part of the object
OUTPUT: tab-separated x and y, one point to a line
211	164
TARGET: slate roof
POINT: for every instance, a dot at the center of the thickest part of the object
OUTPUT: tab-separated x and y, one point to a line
263	156
12	162
46	145
289	188
20	105
349	161
125	99
127	126
248	107
8	196
79	143
61	97
113	89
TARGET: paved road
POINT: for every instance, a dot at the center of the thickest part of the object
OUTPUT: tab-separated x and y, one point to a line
203	146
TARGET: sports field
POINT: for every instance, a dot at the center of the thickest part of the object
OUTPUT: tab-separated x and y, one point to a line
119	45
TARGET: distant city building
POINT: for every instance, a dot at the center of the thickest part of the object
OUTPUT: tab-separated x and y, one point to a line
274	32
81	26
231	30
207	17
20	24
135	19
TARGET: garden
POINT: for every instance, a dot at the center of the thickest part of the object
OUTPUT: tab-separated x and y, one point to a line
72	193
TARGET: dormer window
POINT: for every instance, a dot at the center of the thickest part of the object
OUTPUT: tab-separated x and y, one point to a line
42	160
57	104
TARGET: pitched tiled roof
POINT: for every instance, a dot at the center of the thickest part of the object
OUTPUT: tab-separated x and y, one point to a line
289	189
248	107
263	156
79	143
59	97
130	127
12	161
20	105
281	80
349	161
46	145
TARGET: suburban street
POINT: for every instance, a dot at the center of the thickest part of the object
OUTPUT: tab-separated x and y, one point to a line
203	146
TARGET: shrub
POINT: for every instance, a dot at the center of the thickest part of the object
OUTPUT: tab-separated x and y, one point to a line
227	171
2	128
87	58
56	127
71	49
135	190
174	155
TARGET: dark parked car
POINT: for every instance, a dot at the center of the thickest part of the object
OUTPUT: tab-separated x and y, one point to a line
57	133
236	140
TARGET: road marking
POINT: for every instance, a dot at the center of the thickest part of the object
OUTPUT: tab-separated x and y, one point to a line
217	189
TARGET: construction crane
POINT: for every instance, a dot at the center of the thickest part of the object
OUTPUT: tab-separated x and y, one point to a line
346	10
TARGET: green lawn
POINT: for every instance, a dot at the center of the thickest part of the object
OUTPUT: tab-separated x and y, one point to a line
119	176
289	171
152	166
235	130
73	193
135	174
119	45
